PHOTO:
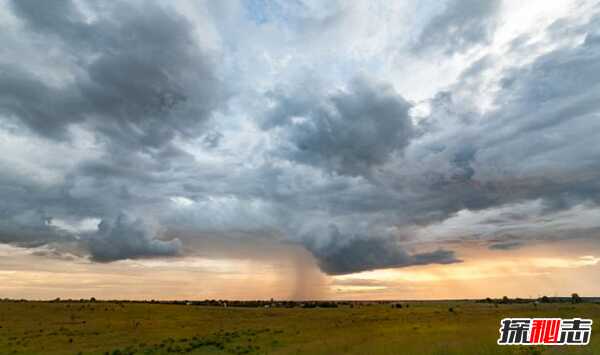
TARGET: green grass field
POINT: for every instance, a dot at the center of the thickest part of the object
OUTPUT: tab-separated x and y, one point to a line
143	328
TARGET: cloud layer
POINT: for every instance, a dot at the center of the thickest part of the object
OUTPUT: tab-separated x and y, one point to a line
134	130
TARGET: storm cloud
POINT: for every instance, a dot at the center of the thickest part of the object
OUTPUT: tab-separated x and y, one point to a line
345	254
346	132
136	130
137	83
125	238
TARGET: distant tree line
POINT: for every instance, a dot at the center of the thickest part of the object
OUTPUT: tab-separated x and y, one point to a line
575	298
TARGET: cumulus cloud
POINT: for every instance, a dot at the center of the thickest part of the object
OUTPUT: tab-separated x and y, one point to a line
31	228
124	238
348	131
129	85
344	254
136	83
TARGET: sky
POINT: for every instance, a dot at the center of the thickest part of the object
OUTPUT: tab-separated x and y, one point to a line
299	149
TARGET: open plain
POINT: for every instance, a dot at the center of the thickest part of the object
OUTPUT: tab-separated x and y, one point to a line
444	327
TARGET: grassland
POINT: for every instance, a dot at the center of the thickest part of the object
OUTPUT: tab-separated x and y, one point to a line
144	328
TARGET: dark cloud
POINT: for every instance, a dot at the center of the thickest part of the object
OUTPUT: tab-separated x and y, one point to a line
506	245
212	139
124	238
536	144
30	229
138	76
61	17
461	25
132	98
347	132
41	107
345	254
